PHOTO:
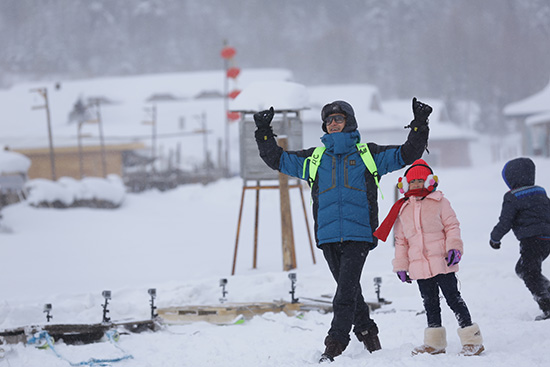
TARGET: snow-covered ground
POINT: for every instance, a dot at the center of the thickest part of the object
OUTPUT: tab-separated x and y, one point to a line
181	242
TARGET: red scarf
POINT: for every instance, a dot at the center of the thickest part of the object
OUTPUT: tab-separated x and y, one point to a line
384	229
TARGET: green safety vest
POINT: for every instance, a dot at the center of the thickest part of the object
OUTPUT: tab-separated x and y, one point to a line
364	152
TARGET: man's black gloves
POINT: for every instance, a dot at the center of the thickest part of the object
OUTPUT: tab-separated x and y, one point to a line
494	244
263	118
421	112
263	123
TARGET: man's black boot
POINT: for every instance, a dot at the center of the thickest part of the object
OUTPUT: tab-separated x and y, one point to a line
369	338
333	349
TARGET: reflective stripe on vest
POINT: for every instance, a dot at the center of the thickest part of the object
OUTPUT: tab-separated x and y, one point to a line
364	152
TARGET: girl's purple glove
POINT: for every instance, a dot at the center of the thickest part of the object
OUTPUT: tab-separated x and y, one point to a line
453	257
403	276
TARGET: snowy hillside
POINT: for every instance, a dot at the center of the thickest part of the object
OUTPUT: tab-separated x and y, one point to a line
181	242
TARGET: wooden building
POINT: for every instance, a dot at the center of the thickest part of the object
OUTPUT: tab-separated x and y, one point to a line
72	162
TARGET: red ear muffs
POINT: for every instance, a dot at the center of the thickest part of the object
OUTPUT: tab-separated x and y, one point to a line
431	183
402	185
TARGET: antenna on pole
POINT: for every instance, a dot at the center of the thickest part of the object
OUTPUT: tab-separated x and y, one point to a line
44	93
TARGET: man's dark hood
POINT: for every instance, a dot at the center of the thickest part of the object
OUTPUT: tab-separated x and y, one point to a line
519	172
343	108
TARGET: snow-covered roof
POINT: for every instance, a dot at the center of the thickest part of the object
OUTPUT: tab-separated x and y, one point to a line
21	126
11	162
536	103
282	95
541	118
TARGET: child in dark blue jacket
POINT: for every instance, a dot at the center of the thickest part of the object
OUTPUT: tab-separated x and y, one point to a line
526	210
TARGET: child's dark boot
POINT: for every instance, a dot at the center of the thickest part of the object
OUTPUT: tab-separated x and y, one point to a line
544	305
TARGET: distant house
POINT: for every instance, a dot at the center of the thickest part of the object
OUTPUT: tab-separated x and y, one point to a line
532	118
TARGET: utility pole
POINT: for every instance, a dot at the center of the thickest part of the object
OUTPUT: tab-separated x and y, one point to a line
101	138
203	129
153	123
226	109
80	158
44	93
96	102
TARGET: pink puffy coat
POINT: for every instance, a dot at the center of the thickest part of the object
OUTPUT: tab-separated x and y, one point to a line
425	231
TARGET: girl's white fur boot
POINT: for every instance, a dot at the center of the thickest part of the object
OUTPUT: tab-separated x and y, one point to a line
435	341
471	340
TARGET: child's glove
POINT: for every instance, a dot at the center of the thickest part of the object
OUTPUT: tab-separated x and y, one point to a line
403	276
494	244
453	257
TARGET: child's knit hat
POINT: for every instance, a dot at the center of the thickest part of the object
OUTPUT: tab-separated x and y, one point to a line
419	170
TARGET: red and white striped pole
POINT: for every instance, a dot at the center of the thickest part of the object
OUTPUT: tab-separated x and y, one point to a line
231	72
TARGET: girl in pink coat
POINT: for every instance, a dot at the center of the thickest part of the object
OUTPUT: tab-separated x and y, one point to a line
428	248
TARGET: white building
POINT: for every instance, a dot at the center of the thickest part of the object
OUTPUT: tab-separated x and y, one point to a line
532	117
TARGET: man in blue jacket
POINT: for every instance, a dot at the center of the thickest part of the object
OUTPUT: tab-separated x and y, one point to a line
345	206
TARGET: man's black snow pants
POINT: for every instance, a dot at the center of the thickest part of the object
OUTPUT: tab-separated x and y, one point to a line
533	251
346	261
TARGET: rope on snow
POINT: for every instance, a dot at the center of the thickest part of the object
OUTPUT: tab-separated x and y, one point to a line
43	340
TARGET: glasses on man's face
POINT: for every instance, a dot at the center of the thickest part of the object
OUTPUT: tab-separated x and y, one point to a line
339	119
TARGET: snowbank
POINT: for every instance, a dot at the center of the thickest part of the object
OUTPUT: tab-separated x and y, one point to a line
67	192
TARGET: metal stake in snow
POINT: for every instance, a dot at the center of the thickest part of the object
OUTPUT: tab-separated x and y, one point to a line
223	283
153	293
107	296
377	285
47	310
292	277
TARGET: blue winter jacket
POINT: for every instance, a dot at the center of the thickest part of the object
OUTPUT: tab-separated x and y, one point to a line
345	206
526	207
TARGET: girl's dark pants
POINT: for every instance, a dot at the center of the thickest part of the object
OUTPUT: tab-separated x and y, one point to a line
346	261
429	290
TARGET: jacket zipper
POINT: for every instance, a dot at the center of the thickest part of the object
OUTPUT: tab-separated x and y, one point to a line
340	201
